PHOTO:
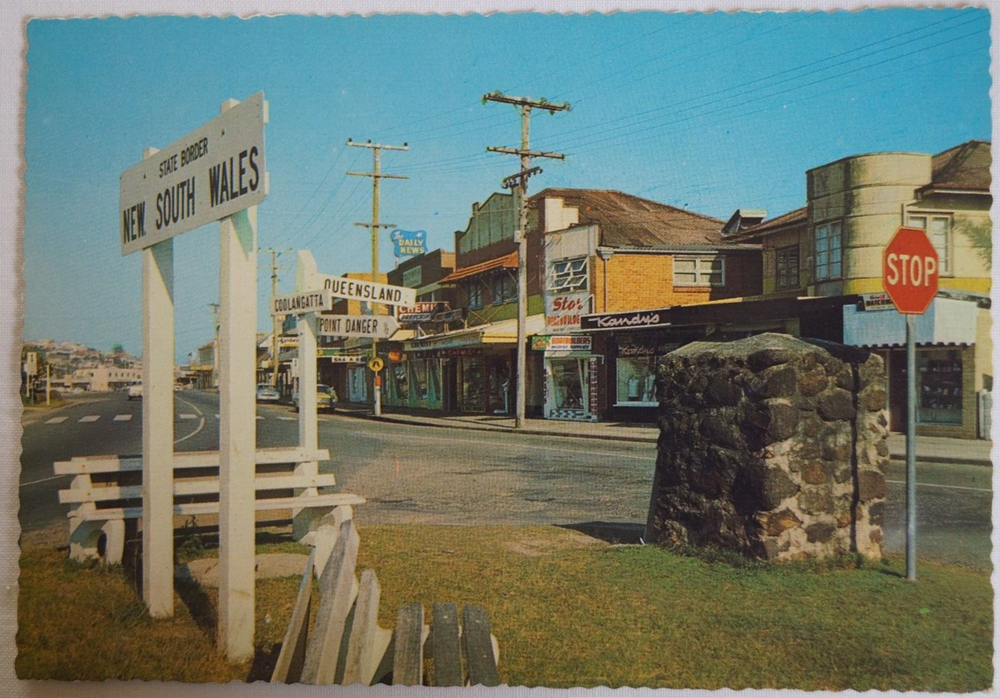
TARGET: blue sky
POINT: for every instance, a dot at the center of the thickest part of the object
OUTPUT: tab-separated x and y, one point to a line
703	111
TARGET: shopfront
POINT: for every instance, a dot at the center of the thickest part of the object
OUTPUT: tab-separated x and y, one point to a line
570	375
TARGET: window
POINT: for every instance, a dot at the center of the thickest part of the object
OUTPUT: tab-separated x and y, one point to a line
829	252
699	271
939	231
504	288
413	277
940	386
786	261
474	295
568	275
636	381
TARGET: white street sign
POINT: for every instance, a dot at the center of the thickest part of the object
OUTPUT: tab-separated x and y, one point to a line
302	302
377	326
342	287
31	363
209	174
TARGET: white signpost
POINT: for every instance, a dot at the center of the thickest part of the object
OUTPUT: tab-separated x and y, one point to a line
302	302
215	173
378	326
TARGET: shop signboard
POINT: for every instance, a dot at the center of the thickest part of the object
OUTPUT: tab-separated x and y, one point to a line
422	311
564	310
876	301
450	315
408	243
635	319
211	173
561	343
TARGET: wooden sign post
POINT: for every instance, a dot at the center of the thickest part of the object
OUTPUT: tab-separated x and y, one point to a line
214	173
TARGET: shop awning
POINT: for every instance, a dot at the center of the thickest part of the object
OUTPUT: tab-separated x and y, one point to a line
947	321
501	332
508	261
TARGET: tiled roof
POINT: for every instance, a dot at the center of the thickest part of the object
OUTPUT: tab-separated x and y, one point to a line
627	220
966	166
508	261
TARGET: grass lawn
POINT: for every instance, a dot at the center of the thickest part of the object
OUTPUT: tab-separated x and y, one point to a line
567	611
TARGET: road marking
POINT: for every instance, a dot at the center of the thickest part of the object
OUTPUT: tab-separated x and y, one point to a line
122	417
56	420
188	415
216	416
943	487
259	417
90	418
45	479
201	423
289	419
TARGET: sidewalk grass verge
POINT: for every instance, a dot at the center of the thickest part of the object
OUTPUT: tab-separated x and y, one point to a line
568	610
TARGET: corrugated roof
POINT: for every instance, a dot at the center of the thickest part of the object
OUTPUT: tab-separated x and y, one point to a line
508	261
627	220
966	166
795	217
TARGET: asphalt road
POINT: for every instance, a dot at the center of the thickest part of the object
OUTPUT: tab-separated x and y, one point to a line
417	474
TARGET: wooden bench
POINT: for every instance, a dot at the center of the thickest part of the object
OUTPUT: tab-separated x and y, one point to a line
348	646
106	491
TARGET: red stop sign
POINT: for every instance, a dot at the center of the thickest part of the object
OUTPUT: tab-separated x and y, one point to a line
910	270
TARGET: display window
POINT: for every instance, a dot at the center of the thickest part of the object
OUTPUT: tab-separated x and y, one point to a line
418	371
939	386
636	381
568	379
473	388
400	382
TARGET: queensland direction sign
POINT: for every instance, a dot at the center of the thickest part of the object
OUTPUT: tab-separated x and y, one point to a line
212	172
910	270
371	292
302	302
377	326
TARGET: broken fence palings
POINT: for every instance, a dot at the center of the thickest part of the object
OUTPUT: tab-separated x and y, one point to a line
347	645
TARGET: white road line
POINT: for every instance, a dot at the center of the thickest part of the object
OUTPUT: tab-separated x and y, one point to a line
90	418
122	417
188	415
289	419
216	416
56	420
259	417
45	479
943	487
201	423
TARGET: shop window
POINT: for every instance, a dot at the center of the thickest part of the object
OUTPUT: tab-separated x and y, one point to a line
829	251
939	231
473	385
699	271
568	275
400	382
419	378
568	376
786	260
637	381
939	384
504	288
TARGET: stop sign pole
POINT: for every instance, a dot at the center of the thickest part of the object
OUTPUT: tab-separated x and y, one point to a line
910	276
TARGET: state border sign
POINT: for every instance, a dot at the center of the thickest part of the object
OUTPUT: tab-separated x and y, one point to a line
302	302
211	173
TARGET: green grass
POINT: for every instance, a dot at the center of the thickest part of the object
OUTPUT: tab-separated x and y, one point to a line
566	612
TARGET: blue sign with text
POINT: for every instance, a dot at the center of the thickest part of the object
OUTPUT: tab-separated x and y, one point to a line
409	242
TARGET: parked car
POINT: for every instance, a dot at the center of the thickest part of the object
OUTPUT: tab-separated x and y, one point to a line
266	393
135	390
326	399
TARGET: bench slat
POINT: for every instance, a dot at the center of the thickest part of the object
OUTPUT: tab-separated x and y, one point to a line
408	664
192	487
291	659
445	648
479	655
201	508
338	588
184	459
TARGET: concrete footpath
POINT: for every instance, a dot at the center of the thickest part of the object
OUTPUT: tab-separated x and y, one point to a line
930	449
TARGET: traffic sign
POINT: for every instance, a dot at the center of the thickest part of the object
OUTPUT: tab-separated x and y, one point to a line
356	289
378	326
302	302
910	270
376	364
209	174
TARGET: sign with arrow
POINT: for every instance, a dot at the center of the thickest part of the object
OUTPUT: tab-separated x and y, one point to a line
377	326
356	289
302	302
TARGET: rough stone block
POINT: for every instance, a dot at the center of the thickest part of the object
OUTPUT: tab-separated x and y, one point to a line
871	485
836	404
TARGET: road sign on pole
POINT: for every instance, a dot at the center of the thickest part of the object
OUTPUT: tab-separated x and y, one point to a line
910	276
378	326
302	302
370	291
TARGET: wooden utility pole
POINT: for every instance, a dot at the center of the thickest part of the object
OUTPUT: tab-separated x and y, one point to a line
376	174
519	181
274	318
